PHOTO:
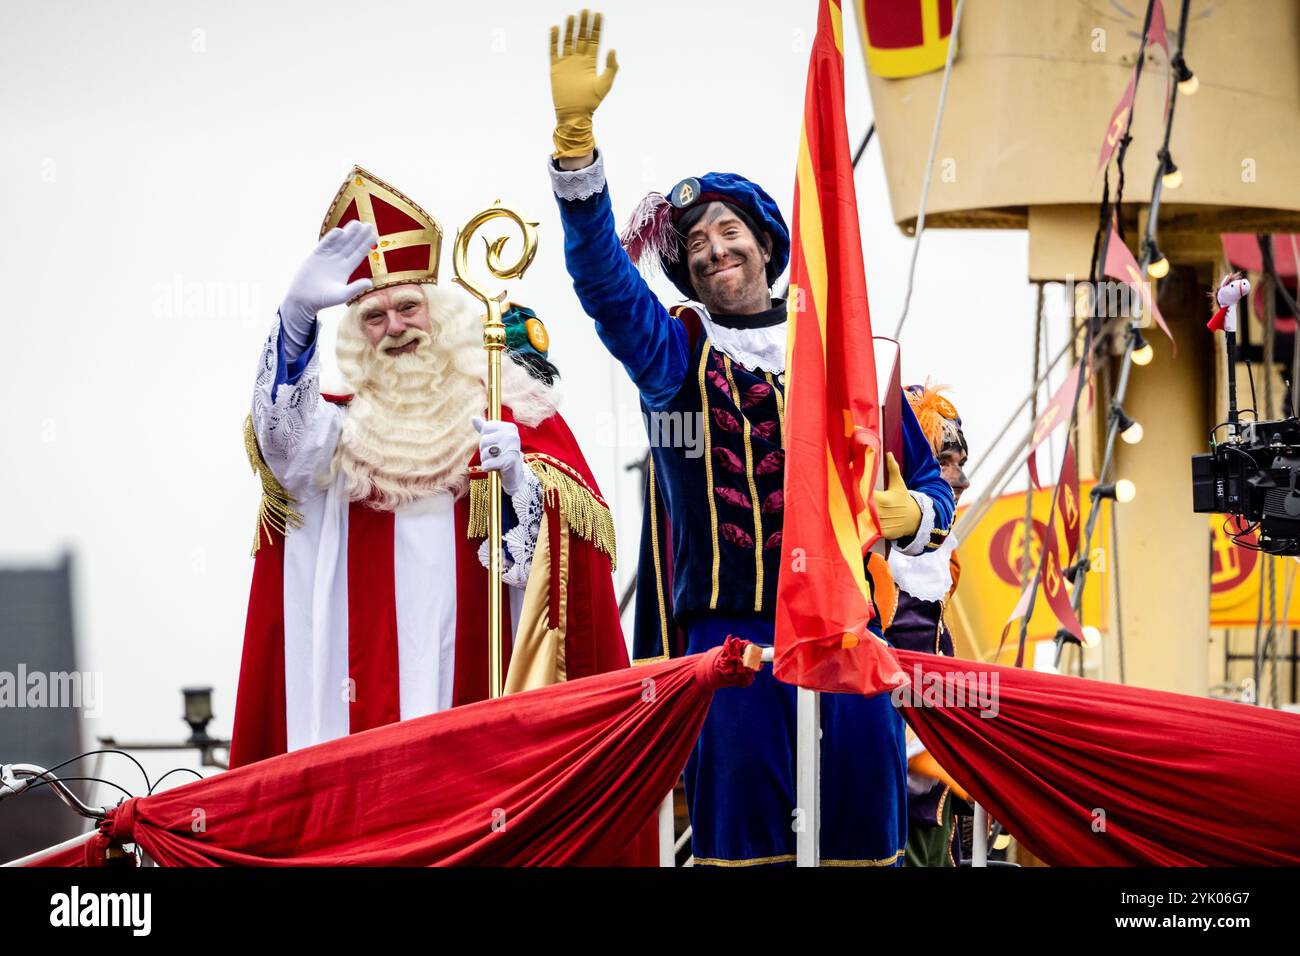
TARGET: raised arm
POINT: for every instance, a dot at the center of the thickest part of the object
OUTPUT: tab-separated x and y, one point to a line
297	432
925	484
635	327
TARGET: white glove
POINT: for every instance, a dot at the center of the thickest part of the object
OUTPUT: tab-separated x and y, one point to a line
498	449
322	281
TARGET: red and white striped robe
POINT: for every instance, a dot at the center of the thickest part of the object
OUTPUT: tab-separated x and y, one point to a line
361	617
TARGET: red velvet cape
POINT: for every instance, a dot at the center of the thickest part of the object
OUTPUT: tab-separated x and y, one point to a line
594	641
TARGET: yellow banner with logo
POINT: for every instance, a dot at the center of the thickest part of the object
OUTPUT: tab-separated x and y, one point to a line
1236	576
991	558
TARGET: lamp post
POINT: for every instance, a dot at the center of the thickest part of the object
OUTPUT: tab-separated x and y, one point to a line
198	714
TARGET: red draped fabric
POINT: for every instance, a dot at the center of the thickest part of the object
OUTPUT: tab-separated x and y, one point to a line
563	775
1089	773
71	855
1082	772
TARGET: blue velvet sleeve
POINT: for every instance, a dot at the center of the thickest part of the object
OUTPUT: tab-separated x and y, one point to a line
630	320
921	474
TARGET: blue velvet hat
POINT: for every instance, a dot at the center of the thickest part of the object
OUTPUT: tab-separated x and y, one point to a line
652	232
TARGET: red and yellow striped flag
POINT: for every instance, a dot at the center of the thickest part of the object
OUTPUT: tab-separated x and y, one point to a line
833	446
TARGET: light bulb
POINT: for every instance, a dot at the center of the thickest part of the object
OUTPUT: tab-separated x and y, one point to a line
1125	491
1133	434
1159	268
1091	636
1187	82
1173	177
1143	354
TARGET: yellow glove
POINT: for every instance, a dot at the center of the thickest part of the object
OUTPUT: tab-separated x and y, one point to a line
575	87
900	515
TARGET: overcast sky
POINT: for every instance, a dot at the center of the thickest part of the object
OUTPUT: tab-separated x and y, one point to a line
166	166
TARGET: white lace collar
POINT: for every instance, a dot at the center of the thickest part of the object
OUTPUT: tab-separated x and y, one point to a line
927	577
756	349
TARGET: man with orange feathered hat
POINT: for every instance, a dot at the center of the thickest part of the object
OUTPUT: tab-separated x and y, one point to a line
369	590
912	595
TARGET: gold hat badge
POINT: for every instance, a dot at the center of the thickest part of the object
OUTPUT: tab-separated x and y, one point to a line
410	240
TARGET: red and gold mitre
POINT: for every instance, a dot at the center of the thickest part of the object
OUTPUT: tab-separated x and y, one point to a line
410	240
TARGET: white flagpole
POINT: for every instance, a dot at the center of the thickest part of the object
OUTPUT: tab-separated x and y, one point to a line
808	773
667	836
808	778
980	837
65	845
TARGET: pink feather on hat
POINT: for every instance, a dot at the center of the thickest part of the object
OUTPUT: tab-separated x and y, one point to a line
650	233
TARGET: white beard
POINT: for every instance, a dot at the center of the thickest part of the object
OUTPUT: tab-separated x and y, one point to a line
407	433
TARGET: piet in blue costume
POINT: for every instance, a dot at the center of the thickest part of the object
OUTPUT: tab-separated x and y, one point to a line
921	587
712	394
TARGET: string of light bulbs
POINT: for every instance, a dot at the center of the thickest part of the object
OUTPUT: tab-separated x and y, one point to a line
1137	350
1168	175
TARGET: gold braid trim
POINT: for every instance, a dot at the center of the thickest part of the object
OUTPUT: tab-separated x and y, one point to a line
587	513
275	511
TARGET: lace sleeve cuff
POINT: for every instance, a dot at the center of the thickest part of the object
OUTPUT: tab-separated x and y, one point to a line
578	184
283	410
521	540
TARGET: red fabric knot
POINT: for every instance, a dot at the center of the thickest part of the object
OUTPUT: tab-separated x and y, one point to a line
114	830
724	666
120	823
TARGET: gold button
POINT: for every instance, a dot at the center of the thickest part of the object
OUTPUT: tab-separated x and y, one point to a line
537	335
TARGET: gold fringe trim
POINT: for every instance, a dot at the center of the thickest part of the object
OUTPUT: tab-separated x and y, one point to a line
275	511
588	516
752	861
478	509
887	861
791	858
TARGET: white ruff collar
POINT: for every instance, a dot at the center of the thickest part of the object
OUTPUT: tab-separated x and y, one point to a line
927	577
762	349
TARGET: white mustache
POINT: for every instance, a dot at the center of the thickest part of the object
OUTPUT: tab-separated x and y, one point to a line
410	335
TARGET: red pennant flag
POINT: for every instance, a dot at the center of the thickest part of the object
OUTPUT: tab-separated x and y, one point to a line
1055	587
833	444
1018	612
1057	412
1065	504
1158	34
1121	265
1068	500
1118	123
1050	573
